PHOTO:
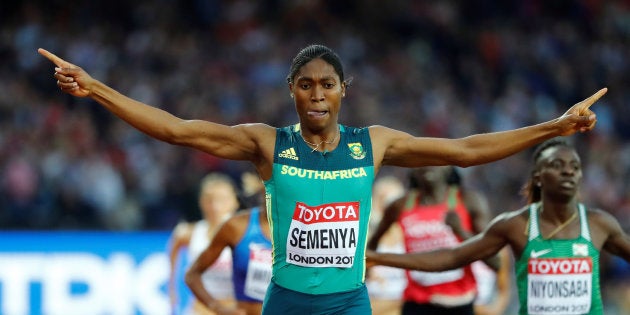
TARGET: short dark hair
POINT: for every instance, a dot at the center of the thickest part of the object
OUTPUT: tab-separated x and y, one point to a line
554	142
315	51
530	190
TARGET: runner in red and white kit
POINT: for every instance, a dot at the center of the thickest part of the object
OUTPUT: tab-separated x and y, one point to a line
423	213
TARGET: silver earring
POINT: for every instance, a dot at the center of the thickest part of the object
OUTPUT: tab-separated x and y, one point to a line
291	94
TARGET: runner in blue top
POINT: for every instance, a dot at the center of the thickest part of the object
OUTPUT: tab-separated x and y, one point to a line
247	235
337	162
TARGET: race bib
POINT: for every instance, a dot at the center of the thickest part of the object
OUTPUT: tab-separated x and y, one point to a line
324	235
258	271
559	286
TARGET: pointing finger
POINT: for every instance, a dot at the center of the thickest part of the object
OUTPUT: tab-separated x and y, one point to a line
591	100
52	57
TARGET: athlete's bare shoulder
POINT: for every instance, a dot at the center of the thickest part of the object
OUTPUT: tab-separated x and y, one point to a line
379	133
508	222
511	227
603	220
263	139
386	144
259	131
600	215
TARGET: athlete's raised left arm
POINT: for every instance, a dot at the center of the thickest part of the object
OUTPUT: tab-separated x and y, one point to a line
398	148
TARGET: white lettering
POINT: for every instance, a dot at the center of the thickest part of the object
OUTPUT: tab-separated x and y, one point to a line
562	266
16	272
326	212
84	283
57	279
323	175
419	229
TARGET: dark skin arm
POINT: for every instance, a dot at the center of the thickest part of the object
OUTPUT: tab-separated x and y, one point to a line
479	247
397	148
615	240
252	142
506	229
475	203
477	206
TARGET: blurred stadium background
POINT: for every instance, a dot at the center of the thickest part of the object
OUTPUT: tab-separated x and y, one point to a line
435	68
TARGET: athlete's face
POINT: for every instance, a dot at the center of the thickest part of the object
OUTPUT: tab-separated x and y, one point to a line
218	201
317	93
430	176
559	172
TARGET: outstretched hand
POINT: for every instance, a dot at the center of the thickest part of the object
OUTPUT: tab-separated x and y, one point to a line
579	117
71	79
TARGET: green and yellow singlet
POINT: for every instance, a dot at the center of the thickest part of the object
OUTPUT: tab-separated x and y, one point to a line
559	276
319	205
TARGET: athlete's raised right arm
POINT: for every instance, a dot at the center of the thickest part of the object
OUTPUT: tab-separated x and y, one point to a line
398	148
240	142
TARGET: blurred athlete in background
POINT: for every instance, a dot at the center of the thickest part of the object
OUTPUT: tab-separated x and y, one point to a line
386	284
434	199
247	236
218	200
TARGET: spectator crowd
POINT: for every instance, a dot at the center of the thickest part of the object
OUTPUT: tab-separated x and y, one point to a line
436	68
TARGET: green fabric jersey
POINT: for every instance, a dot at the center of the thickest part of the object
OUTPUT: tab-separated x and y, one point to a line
319	205
558	276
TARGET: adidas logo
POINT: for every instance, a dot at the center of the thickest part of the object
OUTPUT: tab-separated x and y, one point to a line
289	154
